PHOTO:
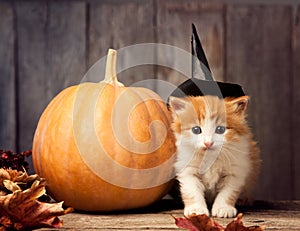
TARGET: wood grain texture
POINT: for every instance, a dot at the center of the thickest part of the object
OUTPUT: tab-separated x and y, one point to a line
174	27
274	217
296	105
51	44
122	24
258	56
66	44
32	72
7	79
274	220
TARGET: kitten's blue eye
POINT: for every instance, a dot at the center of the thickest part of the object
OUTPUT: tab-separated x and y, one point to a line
220	129
196	130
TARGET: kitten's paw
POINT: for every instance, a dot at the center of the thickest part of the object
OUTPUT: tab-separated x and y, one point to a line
195	209
223	211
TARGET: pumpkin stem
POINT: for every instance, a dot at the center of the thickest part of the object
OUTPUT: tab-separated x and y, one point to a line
111	68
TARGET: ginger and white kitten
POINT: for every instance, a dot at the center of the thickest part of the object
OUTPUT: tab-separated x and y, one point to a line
217	159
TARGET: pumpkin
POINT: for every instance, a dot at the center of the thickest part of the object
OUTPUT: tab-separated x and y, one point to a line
105	147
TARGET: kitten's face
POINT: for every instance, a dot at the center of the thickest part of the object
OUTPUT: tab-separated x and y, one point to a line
206	123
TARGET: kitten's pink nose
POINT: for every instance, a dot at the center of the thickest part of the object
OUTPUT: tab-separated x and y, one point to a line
208	144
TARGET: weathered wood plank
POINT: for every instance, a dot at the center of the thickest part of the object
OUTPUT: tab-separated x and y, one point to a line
113	27
271	217
51	47
274	220
296	105
174	20
66	45
32	72
7	79
258	47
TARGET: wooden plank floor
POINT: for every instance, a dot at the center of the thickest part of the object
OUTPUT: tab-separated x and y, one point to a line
281	215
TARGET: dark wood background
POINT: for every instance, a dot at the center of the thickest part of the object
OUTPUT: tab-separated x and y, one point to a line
46	46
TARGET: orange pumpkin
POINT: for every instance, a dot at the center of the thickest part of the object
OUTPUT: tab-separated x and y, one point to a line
104	147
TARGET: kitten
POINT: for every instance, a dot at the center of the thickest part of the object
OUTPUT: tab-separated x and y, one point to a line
217	159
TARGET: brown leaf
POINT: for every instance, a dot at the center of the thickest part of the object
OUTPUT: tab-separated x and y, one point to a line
205	223
198	223
4	175
237	225
19	176
21	210
18	180
185	223
11	186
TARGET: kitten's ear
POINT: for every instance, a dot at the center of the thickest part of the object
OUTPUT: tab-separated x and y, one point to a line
177	104
240	104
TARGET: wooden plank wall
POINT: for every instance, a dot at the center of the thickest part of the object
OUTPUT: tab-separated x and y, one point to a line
46	46
259	57
296	105
7	78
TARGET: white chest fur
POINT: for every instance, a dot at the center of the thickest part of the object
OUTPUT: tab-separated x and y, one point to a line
232	159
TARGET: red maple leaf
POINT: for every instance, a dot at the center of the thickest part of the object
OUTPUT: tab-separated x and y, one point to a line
204	223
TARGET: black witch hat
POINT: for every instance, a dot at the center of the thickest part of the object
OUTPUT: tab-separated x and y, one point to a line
199	87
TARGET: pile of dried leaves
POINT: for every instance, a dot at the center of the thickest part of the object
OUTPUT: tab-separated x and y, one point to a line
205	223
20	207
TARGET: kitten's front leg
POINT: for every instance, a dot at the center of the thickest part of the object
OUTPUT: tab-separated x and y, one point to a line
224	204
192	192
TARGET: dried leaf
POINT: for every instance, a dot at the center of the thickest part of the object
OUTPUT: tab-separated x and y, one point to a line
4	175
21	210
205	223
198	223
18	180
11	186
185	223
237	225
